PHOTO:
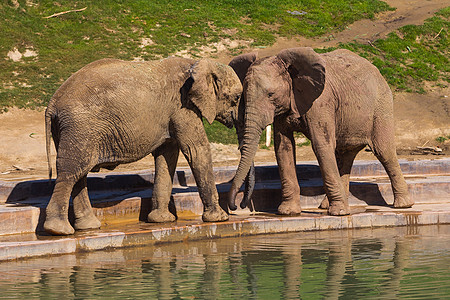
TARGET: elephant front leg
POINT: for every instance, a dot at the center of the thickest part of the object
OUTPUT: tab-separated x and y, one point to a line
188	130
285	154
166	157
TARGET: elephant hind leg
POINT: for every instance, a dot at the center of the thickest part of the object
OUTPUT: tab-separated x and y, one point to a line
69	172
57	218
384	149
345	163
84	215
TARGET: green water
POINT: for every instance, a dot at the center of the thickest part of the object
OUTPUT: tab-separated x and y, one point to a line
408	262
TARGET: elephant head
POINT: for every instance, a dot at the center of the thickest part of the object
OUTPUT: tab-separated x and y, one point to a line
287	83
215	91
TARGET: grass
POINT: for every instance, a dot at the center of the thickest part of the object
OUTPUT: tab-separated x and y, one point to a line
412	55
146	30
155	29
442	139
218	133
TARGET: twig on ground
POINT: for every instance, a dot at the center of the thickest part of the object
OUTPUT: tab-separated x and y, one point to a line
438	33
370	43
65	12
425	143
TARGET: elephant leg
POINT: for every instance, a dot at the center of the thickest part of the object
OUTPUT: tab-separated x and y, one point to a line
166	157
57	211
334	188
345	163
194	144
285	154
84	215
72	166
384	149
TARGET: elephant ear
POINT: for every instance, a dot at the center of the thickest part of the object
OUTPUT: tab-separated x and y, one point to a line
205	88
307	70
241	63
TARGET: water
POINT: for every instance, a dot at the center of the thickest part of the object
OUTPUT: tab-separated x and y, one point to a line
408	262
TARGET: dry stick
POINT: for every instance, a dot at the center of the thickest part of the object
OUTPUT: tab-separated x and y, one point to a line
65	12
438	33
370	43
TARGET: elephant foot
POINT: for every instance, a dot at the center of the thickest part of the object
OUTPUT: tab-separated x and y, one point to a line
338	208
214	214
87	222
403	202
160	216
325	203
291	207
57	226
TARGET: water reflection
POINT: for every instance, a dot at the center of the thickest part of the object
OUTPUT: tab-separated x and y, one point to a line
378	264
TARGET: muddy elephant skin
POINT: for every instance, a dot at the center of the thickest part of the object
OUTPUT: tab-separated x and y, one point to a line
339	100
112	112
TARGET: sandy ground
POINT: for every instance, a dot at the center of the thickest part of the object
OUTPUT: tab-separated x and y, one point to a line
419	118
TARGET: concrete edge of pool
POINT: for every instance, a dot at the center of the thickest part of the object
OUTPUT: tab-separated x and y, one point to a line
20	215
239	225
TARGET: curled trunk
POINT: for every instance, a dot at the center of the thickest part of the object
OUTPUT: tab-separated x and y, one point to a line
250	181
249	146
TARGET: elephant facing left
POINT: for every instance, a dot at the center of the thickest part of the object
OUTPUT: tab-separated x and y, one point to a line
112	112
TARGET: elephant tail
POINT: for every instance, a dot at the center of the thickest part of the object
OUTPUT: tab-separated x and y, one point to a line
48	135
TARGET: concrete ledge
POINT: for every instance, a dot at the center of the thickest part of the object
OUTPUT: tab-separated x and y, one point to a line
122	203
111	182
129	207
148	234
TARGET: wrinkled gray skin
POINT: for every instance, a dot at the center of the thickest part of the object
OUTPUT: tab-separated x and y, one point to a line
112	112
240	65
338	100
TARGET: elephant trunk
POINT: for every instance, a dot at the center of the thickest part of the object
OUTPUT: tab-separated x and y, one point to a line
254	126
250	181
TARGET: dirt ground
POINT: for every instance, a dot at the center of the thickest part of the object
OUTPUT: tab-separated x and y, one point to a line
420	119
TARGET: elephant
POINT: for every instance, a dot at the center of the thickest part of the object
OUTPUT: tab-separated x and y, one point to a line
112	112
338	100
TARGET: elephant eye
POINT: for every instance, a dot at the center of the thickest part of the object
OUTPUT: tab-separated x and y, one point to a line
271	94
235	100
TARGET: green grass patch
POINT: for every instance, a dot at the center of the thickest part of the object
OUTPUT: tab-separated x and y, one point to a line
146	30
411	55
442	139
218	133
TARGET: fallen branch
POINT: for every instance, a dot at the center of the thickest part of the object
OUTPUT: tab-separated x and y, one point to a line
438	33
65	12
370	43
428	150
435	149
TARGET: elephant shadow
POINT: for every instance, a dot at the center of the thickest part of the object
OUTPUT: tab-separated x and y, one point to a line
104	191
112	189
267	194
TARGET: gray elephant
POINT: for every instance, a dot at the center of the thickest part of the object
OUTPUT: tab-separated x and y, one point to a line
112	112
339	100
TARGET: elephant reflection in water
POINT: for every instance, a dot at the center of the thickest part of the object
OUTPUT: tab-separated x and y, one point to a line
196	270
345	255
202	265
342	258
